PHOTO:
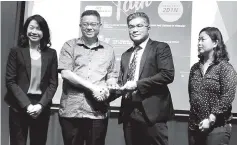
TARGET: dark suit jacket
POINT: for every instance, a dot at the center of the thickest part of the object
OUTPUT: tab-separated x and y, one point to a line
18	74
156	72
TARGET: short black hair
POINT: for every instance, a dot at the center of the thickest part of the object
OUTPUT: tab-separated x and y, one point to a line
138	14
91	12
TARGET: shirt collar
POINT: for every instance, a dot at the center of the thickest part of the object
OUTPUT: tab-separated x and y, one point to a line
143	44
201	63
98	45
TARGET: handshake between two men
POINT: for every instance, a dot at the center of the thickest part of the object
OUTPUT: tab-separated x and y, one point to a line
102	93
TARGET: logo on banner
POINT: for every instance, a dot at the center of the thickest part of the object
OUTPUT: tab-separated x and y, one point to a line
170	11
104	11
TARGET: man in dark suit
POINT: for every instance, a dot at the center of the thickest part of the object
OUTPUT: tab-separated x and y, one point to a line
146	70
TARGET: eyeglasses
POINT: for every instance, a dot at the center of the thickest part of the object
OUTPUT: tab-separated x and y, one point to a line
85	25
138	26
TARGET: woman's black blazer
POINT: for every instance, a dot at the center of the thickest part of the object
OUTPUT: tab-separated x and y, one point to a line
18	74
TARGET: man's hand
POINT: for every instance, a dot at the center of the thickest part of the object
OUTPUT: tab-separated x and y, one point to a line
129	86
101	93
113	86
204	125
36	110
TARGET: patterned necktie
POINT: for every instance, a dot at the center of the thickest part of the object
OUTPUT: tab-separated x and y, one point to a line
132	65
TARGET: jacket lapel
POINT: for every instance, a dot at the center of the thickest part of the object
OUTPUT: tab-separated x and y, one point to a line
26	56
144	56
44	62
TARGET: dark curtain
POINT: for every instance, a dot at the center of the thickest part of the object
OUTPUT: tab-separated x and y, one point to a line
12	13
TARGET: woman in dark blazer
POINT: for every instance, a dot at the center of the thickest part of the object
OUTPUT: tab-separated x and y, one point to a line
31	80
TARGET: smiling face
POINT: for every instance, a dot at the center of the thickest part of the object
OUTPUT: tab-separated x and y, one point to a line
138	30
34	33
90	26
205	44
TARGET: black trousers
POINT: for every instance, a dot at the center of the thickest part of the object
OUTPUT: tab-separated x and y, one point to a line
215	136
137	133
20	122
77	131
